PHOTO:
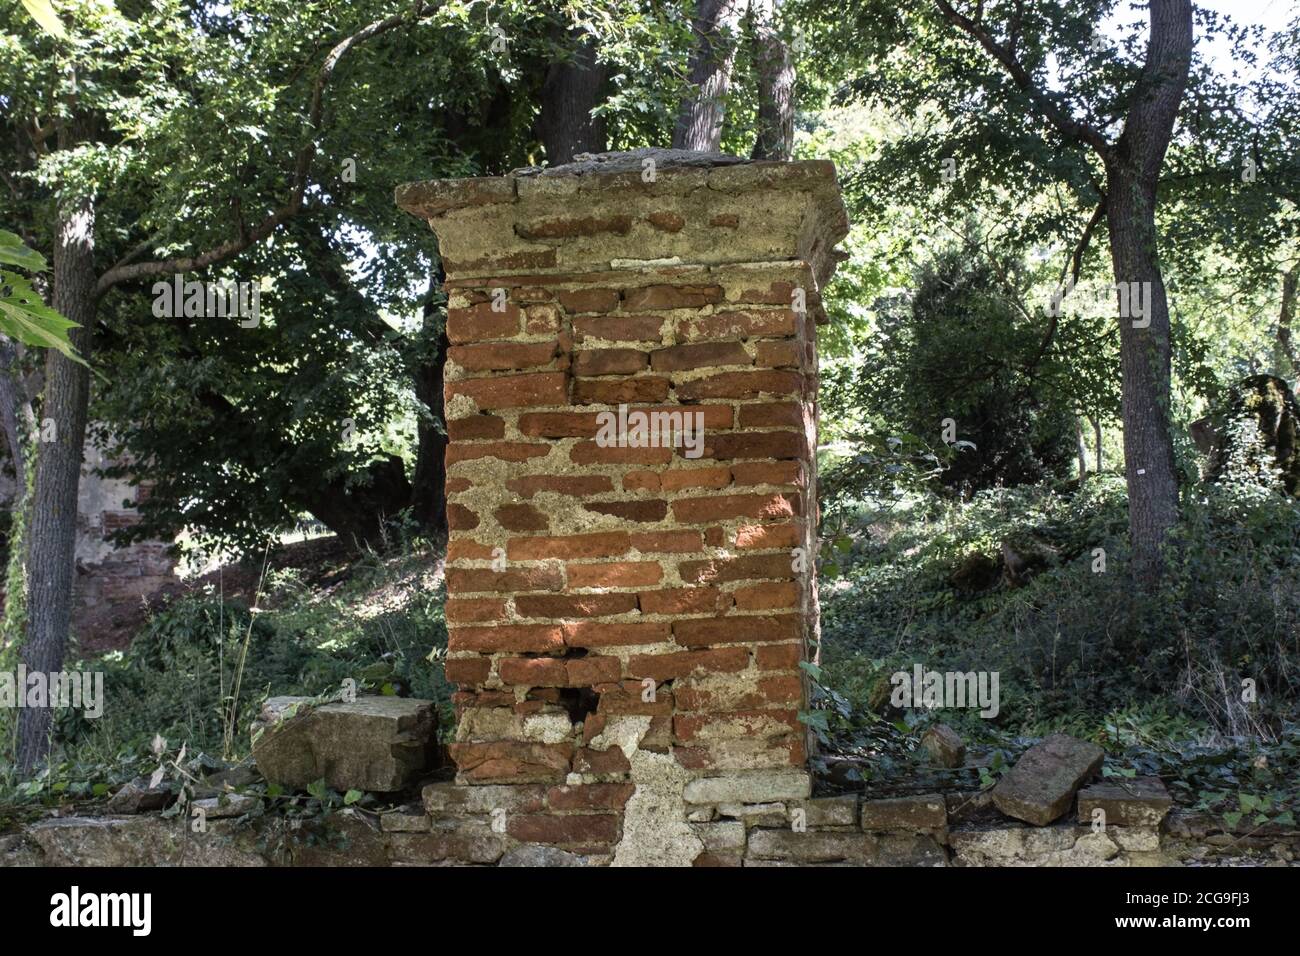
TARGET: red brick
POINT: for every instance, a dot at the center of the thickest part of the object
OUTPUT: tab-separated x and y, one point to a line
508	761
722	507
779	657
476	426
609	362
553	672
573	605
587	828
460	518
782	690
725	221
461	548
750	723
684	601
515	391
671	297
641	481
725	660
515	638
479	323
558	424
750	567
474	610
605	634
666	221
504	450
771	414
643	510
601	762
680	480
625	698
621	391
589	300
470	580
767	597
668	542
602	545
467	670
591	796
623	328
520	517
786	353
500	356
738	325
769	445
767	536
777	293
740	385
701	355
706	632
589	453
624	574
456	485
572	485
768	473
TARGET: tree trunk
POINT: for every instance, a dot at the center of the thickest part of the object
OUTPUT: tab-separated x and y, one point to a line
1132	175
429	492
1284	316
570	92
1083	451
775	138
699	122
11	403
51	534
1096	436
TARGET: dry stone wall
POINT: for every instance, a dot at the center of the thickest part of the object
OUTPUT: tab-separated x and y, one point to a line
631	406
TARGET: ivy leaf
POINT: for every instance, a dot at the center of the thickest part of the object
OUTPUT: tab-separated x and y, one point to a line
351	797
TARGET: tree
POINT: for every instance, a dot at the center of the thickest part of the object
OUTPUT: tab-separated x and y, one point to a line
1018	101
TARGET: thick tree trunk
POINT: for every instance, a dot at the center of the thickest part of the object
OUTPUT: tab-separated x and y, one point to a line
429	494
52	530
1083	450
1284	317
1096	440
1132	174
775	138
570	92
699	122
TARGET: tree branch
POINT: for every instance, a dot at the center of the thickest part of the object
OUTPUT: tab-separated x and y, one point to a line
302	167
1066	124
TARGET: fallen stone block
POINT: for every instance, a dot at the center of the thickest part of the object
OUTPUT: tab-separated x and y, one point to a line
374	743
1039	788
1030	846
1139	802
945	746
138	797
922	812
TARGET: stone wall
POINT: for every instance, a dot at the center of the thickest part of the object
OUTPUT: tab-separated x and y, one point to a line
626	619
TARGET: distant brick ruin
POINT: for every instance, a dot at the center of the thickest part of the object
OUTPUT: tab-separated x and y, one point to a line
108	577
629	597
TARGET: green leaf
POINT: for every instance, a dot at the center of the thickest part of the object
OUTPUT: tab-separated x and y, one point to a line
43	13
318	789
351	797
25	317
15	253
1232	818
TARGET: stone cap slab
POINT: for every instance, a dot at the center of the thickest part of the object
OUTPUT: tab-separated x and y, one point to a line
613	210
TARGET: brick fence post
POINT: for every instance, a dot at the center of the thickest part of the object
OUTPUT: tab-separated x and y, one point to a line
631	404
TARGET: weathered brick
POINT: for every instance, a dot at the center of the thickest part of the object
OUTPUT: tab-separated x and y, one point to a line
589	300
602	545
642	510
749	567
515	638
554	672
521	517
460	518
571	485
609	362
766	597
701	355
767	536
706	632
601	762
739	325
475	426
767	473
514	391
688	728
591	796
668	542
741	385
587	828
567	227
590	453
508	761
721	507
771	415
704	600
774	657
671	297
621	574
500	356
607	634
627	391
479	323
770	445
474	610
574	605
623	328
504	450
672	666
786	353
470	580
666	221
467	670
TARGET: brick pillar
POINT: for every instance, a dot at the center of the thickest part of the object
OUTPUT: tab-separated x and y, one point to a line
626	619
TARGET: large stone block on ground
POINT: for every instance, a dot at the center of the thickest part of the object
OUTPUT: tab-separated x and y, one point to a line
373	743
1140	802
1040	787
